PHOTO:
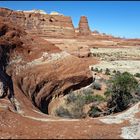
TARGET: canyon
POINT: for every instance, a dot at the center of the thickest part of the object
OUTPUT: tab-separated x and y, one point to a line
46	57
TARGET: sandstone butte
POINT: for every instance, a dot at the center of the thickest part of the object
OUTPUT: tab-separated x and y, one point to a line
41	72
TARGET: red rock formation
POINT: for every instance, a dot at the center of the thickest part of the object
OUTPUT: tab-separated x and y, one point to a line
40	69
44	25
46	77
83	26
15	41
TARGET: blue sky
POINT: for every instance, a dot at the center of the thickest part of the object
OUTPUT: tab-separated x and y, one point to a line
112	17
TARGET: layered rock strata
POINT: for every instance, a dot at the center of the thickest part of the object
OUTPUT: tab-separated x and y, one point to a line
41	24
83	26
39	69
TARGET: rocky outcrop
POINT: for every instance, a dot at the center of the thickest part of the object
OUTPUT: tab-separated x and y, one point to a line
84	27
40	70
38	23
54	25
48	77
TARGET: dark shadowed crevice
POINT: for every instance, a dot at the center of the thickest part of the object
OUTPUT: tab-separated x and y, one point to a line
82	84
37	89
43	104
46	100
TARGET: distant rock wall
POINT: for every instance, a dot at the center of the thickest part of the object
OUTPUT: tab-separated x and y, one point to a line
45	25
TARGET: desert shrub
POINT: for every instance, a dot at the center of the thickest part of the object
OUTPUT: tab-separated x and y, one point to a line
137	75
89	98
76	103
114	71
87	91
118	72
80	100
107	93
93	98
74	112
71	98
121	87
100	70
62	112
94	112
107	71
96	70
92	69
138	90
136	96
96	85
98	98
77	108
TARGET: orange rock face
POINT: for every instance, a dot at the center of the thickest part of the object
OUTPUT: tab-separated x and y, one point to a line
83	26
40	69
43	25
41	72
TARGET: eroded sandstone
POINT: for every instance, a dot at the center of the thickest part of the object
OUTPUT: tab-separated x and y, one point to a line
42	71
38	23
84	27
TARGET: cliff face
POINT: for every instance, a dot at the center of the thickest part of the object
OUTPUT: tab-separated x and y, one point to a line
47	25
41	24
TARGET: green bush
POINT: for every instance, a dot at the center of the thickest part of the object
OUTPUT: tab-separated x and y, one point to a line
88	91
121	87
138	90
98	98
100	70
76	103
137	75
107	93
96	70
118	72
114	71
107	71
93	98
88	99
74	111
62	112
136	96
71	98
77	108
94	112
92	69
